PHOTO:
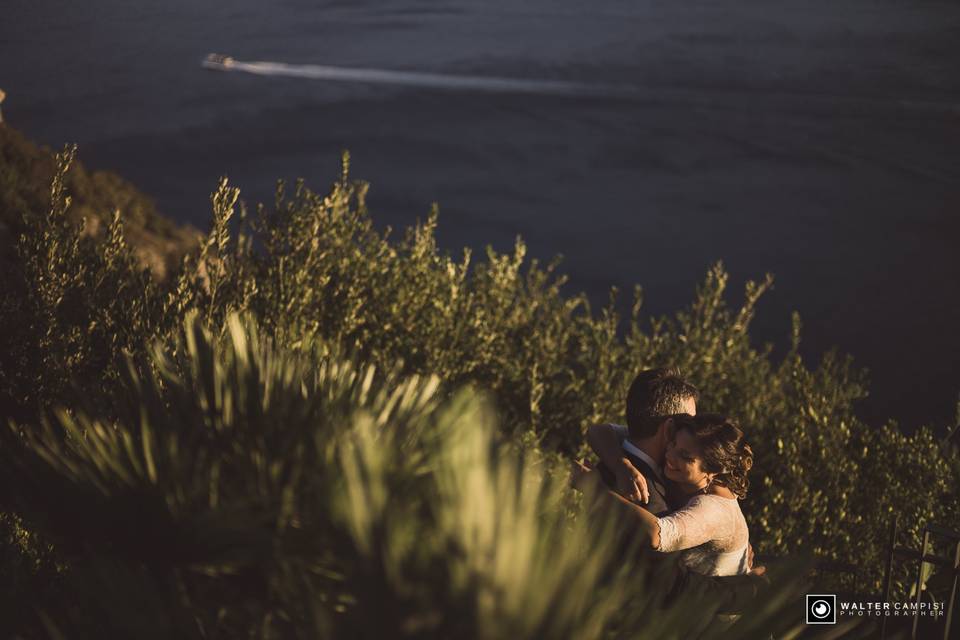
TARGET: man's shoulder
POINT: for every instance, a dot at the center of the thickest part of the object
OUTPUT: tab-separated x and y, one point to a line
622	431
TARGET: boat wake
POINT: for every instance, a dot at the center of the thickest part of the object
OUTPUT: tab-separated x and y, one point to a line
419	79
692	97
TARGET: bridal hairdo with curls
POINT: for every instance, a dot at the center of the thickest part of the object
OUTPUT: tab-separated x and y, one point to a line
723	448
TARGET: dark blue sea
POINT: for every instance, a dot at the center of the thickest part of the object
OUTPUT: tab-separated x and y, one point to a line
819	141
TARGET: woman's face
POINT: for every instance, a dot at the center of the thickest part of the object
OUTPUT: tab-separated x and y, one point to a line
684	461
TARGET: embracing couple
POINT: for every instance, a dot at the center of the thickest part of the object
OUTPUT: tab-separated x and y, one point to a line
678	477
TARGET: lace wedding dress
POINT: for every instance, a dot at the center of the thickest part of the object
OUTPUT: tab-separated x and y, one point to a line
712	533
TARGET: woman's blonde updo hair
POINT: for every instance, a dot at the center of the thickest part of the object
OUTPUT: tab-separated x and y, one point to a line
723	448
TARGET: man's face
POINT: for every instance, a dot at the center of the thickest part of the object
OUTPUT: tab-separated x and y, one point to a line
689	407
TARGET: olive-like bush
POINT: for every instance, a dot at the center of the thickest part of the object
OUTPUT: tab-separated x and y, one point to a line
89	393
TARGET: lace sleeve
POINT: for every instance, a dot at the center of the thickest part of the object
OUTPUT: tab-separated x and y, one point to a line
700	521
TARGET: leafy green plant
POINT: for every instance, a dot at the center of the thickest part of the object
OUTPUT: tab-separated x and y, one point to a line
319	280
256	491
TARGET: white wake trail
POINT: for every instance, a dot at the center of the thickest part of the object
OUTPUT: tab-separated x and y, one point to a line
691	97
422	79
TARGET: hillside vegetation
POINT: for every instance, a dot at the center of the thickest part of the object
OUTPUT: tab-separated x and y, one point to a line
26	171
314	428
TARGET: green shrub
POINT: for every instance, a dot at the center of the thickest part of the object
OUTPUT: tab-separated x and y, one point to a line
314	273
250	490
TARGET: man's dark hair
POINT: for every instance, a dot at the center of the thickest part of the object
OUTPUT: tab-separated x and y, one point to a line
654	395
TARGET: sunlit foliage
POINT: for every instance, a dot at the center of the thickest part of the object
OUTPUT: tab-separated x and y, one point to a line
247	490
353	348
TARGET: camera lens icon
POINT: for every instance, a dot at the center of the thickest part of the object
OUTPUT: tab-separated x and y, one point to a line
821	609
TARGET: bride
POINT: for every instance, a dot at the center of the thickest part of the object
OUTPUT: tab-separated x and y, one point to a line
707	462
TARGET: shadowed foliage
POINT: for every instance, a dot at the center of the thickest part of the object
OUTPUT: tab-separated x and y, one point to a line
326	451
249	490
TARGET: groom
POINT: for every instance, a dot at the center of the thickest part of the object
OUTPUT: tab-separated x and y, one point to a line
637	450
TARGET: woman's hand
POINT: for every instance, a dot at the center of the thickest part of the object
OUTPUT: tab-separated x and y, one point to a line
630	483
754	570
582	477
606	441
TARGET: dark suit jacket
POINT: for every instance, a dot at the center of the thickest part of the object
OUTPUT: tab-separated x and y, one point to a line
658	504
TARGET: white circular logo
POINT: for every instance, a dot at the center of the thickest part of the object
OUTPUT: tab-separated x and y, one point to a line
820	609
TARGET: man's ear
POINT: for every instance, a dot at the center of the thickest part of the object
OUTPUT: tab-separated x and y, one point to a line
671	428
667	428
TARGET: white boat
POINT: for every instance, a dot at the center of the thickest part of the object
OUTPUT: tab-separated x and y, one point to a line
218	61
